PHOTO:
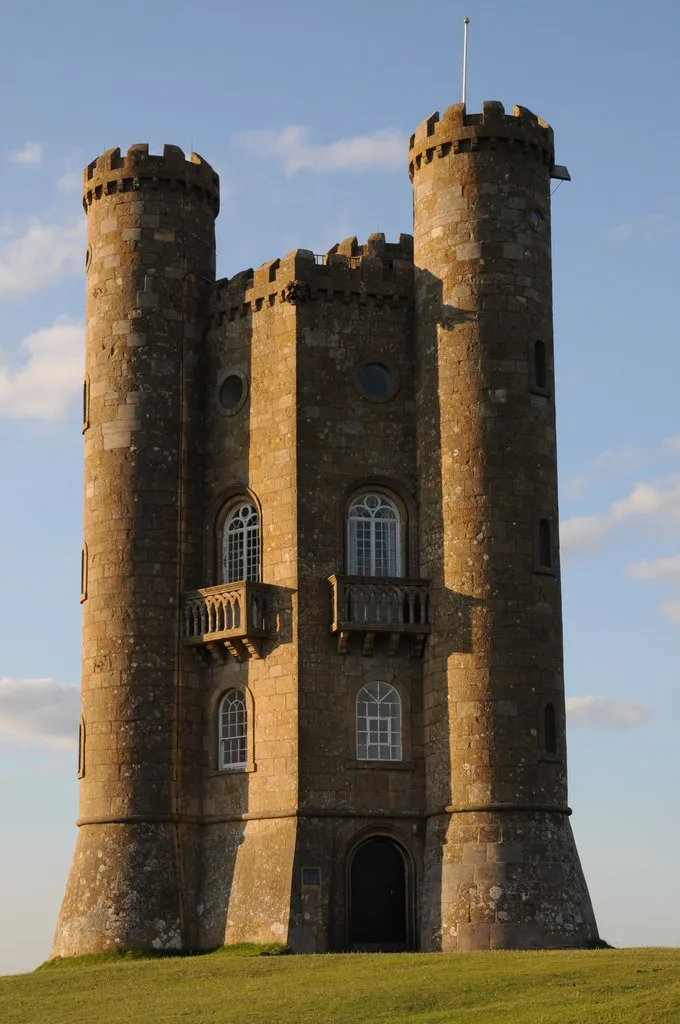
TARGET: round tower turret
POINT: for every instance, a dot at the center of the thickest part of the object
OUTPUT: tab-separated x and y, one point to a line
498	829
150	265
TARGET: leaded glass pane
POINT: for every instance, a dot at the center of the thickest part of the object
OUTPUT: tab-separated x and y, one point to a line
233	731
373	541
241	545
378	710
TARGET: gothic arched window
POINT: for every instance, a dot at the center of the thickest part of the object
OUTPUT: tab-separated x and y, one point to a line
232	724
373	536
241	544
378	713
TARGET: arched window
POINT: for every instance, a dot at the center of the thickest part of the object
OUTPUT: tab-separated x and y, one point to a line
378	723
241	544
233	730
373	537
549	729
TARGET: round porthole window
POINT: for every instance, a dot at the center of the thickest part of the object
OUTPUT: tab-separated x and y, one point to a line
377	381
233	392
536	219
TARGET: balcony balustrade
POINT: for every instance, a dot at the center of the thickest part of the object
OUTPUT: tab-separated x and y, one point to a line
230	619
371	606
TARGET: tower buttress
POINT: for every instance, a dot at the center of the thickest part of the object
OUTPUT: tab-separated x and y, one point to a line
150	268
501	867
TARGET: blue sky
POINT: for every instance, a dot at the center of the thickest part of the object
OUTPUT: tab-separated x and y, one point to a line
305	110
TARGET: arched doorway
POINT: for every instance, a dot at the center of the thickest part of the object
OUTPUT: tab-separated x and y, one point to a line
378	882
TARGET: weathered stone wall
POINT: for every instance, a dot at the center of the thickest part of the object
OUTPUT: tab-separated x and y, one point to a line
150	267
249	835
356	310
487	461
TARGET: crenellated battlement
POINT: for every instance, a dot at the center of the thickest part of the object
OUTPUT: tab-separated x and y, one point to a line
460	132
112	173
377	271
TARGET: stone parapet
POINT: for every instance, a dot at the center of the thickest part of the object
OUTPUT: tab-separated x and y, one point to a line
378	271
138	169
457	132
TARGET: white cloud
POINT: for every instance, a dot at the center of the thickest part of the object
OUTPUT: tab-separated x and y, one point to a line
583	535
39	711
30	153
658	503
71	181
659	569
606	712
382	150
39	256
50	376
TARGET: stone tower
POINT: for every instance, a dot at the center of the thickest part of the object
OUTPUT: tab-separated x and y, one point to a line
499	855
323	698
150	270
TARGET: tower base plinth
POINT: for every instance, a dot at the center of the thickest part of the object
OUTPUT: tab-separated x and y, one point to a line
504	880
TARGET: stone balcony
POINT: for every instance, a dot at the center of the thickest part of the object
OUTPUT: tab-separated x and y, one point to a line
370	607
227	620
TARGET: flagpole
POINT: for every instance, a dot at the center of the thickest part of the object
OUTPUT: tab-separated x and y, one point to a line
466	22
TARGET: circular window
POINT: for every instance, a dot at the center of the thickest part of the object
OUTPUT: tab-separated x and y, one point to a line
536	219
233	392
377	381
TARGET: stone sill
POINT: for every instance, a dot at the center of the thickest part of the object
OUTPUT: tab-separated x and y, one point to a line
399	766
245	770
543	570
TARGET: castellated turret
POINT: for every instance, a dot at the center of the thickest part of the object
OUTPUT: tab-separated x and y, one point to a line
323	698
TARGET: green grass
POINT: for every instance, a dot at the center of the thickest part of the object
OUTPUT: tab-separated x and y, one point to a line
239	986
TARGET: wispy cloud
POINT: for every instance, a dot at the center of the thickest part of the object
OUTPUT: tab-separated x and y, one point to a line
607	712
664	570
671	611
610	463
38	257
380	150
39	712
652	228
30	153
49	378
71	181
657	503
658	569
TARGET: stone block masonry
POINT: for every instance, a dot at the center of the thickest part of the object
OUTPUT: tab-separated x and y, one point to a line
415	376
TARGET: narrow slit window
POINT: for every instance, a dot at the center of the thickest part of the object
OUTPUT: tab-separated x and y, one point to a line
545	544
81	748
83	573
86	403
549	729
540	365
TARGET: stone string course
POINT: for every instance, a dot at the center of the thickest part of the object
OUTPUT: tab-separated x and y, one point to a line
173	853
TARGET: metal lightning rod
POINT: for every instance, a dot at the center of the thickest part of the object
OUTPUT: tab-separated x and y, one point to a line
466	22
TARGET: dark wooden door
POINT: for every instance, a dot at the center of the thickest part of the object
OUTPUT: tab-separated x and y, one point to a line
378	897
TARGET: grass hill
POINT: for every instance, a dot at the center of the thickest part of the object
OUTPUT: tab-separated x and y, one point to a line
239	985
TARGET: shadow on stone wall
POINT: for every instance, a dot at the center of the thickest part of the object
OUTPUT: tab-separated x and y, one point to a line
451	612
